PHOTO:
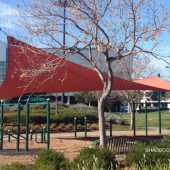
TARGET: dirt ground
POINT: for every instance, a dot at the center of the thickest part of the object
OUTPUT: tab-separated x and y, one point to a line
69	146
62	142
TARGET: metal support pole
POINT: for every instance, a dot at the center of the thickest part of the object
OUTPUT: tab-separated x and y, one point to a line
159	112
56	100
48	124
41	133
18	126
85	127
134	120
44	134
75	127
31	133
27	125
9	136
146	119
110	127
64	38
1	125
159	109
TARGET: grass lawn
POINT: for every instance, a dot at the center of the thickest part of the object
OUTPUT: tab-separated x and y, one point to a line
66	111
152	119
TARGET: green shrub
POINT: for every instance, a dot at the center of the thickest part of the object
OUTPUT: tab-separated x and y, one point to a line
66	115
69	117
90	157
158	166
16	166
93	165
43	167
135	154
53	159
149	154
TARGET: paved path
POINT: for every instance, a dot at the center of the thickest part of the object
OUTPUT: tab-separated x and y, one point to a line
152	131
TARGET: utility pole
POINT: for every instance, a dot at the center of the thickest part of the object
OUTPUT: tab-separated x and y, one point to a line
63	3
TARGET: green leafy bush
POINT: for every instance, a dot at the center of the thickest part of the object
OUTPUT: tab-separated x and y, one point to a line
66	115
53	159
158	166
85	97
90	157
149	154
135	154
43	167
16	166
94	165
69	117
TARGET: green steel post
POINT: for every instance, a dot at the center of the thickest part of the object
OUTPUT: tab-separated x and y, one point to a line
48	124
18	126
1	125
27	125
9	136
159	112
75	127
31	135
44	134
134	120
146	119
110	127
41	132
85	127
159	109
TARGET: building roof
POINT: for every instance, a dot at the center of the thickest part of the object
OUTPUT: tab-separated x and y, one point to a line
32	70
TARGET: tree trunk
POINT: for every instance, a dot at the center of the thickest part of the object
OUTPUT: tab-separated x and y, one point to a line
102	129
101	103
107	87
131	115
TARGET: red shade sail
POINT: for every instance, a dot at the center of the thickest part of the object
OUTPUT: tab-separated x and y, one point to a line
155	82
32	70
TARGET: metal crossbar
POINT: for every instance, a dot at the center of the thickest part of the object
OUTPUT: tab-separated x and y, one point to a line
38	103
14	135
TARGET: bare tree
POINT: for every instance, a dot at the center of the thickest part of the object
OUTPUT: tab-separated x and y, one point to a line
115	29
141	68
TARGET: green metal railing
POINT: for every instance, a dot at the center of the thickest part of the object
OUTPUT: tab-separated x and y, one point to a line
17	135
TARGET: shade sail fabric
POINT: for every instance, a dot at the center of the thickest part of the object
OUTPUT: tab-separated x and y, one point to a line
156	82
32	70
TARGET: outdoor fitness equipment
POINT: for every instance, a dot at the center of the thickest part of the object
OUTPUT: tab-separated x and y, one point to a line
46	130
18	135
75	121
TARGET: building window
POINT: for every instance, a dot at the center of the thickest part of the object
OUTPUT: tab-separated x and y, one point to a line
2	71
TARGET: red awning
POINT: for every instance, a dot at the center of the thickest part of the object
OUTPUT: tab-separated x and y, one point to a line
155	82
32	70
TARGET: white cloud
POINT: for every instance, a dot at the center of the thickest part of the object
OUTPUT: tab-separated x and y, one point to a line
7	10
8	16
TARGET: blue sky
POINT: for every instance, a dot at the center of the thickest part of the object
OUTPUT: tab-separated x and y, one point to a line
8	19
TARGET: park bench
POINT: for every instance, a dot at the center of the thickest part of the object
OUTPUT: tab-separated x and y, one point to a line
121	144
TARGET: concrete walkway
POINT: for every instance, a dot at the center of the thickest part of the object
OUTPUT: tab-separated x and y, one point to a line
95	134
152	131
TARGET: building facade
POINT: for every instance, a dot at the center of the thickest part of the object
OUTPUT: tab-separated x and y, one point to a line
3	61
